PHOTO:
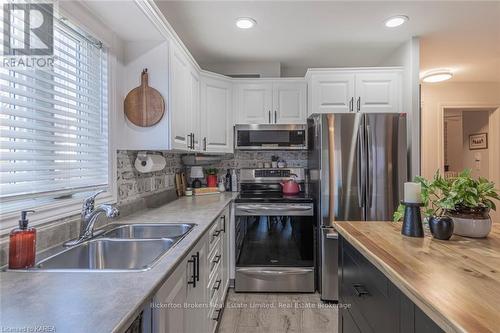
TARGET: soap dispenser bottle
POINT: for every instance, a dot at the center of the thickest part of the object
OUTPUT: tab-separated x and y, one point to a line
22	244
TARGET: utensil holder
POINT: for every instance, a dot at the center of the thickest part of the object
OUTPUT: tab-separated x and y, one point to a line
412	221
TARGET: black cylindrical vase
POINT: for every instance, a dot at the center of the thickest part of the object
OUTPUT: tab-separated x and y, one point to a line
412	221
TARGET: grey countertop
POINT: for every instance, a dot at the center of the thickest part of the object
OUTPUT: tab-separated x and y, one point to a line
102	301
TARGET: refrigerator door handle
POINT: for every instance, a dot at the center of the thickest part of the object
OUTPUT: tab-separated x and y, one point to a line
362	163
370	166
358	169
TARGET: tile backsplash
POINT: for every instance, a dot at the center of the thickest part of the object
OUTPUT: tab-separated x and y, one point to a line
251	159
133	185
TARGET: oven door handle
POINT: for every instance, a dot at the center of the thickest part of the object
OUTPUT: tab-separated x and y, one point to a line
249	209
288	271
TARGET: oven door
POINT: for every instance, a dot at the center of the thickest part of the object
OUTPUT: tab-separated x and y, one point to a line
250	137
274	247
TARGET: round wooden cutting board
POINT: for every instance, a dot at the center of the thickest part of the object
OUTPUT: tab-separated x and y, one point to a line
144	106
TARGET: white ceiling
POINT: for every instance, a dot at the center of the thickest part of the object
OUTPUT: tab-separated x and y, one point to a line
125	19
463	36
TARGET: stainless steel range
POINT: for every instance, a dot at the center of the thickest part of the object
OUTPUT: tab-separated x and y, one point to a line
274	233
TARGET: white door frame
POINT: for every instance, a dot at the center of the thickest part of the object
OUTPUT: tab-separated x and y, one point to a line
493	140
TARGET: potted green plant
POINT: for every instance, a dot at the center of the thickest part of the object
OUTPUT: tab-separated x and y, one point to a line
467	201
211	176
470	201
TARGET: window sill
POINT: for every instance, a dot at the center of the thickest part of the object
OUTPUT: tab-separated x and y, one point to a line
50	212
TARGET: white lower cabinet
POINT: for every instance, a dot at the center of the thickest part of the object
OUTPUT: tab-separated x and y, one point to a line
191	299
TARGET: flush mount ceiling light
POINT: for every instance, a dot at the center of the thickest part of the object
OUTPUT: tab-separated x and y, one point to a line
396	21
438	75
245	22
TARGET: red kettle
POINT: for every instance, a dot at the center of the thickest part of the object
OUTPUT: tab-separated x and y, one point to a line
290	187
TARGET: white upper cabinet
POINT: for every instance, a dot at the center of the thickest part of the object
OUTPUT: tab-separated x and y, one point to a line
378	92
179	108
289	102
185	102
275	102
331	93
216	119
355	90
194	110
255	103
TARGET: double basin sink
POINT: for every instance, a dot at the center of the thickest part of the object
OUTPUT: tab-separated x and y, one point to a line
124	247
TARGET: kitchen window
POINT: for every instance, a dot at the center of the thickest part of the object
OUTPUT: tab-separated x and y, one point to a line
54	126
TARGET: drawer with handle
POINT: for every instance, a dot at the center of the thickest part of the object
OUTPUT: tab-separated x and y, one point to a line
214	235
214	288
215	259
372	297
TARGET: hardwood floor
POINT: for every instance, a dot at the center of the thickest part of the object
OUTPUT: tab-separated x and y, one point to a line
277	313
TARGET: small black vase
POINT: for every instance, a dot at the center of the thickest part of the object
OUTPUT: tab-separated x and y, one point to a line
441	227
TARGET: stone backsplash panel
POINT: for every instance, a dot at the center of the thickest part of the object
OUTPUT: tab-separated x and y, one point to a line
133	185
251	159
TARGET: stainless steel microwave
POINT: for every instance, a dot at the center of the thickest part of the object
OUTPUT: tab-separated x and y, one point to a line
270	136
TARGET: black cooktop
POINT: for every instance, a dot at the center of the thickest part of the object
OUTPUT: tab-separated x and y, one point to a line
272	197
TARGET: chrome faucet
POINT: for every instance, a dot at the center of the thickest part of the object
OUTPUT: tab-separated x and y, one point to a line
89	217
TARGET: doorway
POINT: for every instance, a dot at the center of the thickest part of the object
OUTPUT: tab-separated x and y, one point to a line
466	146
470	139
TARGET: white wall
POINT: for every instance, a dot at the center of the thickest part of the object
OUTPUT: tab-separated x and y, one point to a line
265	69
408	56
437	96
475	122
137	56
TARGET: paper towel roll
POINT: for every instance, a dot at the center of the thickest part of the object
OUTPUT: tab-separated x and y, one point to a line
149	163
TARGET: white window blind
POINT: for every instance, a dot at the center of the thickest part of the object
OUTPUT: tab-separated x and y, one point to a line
54	122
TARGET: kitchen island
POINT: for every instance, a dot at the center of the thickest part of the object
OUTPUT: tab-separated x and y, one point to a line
395	283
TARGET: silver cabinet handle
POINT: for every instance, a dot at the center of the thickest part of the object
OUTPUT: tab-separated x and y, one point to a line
275	117
359	104
205	143
269	113
351	104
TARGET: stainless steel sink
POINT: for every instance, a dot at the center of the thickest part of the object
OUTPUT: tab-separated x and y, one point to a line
149	231
109	254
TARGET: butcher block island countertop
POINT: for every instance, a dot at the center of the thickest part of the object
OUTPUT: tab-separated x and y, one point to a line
456	282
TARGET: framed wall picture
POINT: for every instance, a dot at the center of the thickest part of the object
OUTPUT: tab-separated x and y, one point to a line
478	141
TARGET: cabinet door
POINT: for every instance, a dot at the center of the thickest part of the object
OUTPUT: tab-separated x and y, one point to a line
217	120
332	93
168	312
378	92
179	88
255	103
194	109
195	316
289	103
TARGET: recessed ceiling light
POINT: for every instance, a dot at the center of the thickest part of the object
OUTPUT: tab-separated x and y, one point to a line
245	22
396	21
438	75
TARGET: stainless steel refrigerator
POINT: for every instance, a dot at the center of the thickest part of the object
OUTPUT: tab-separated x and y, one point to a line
357	167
